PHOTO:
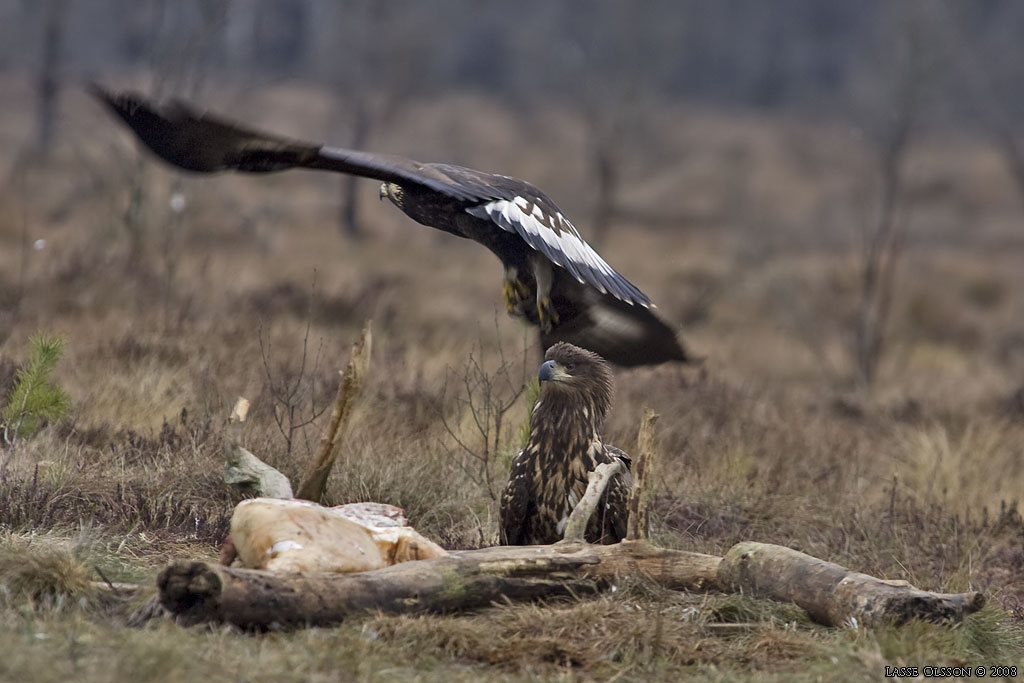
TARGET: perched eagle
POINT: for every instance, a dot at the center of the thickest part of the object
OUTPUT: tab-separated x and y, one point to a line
553	279
549	477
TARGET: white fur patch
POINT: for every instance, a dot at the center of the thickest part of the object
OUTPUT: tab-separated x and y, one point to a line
283	547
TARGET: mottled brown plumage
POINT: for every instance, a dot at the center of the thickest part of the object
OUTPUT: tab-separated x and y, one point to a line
549	476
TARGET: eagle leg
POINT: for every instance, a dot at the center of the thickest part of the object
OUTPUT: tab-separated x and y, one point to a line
546	313
516	292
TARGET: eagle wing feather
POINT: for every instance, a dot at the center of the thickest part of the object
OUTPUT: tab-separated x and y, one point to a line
517	502
201	142
535	218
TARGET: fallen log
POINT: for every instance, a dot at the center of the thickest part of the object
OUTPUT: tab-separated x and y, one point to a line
834	595
203	592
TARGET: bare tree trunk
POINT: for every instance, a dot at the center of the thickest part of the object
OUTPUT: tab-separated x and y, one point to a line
605	150
883	243
46	79
606	176
348	214
879	258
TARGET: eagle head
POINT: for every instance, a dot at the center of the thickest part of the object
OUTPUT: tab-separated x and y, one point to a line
572	373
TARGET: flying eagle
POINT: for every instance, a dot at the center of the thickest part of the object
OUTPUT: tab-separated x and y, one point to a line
549	477
553	278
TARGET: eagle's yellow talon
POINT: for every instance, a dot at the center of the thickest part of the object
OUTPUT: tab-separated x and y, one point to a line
509	291
547	314
515	294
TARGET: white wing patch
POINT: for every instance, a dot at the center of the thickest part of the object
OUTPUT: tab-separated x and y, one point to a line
557	238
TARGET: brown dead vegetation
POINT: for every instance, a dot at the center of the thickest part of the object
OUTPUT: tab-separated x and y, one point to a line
769	441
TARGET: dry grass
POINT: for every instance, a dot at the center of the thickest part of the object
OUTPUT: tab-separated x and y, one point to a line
769	441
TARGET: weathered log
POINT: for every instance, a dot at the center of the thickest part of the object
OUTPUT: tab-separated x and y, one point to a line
834	595
244	470
199	592
353	378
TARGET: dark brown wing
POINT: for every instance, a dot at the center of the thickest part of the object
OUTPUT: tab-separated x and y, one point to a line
613	514
204	143
611	517
518	503
621	333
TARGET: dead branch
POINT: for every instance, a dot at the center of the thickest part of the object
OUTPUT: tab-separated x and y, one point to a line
597	482
834	595
245	470
315	481
639	500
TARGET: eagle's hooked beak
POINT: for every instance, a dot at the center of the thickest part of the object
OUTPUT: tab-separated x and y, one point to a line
551	371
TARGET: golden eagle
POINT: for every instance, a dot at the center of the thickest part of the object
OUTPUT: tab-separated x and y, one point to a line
549	476
553	278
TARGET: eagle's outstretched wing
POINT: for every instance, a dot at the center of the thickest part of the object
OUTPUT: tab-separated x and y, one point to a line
201	142
597	307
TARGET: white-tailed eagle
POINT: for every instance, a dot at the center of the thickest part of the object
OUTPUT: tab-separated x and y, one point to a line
553	278
549	476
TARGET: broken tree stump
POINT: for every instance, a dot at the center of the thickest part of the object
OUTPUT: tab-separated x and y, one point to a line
834	595
640	500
